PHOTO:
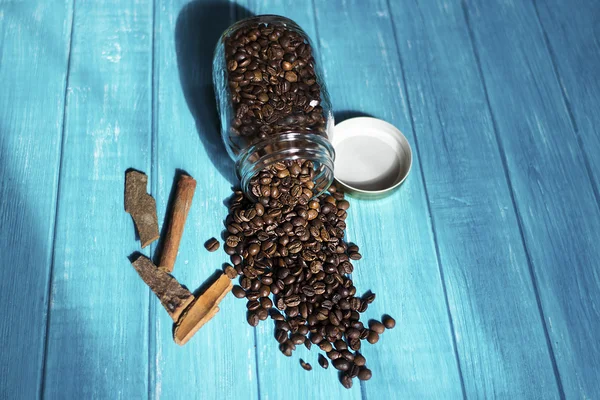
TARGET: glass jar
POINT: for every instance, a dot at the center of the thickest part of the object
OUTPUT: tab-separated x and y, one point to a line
273	104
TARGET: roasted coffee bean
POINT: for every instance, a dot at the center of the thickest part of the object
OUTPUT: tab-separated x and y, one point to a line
376	326
326	346
252	319
238	292
346	381
212	244
347	354
364	374
359	359
316	338
389	322
305	365
230	271
297	338
353	371
323	361
262	314
266	303
373	337
340	345
307	343
341	364
253	305
334	355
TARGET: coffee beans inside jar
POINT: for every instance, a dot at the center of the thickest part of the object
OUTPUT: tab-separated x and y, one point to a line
273	84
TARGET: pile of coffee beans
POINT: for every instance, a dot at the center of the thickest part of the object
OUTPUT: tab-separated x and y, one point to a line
273	85
293	262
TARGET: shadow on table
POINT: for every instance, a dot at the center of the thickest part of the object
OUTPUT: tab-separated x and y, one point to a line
199	27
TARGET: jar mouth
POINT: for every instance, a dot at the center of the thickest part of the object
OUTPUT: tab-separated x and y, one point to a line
288	146
263	19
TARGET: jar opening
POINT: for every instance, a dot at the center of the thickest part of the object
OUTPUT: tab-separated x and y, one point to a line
288	146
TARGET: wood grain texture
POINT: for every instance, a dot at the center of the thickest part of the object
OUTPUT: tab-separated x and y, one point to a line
34	48
417	358
490	292
553	192
219	361
97	345
573	37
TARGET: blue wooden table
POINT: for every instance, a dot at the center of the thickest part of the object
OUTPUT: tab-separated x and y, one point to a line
488	256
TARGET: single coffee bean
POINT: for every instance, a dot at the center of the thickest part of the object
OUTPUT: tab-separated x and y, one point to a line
376	326
389	322
323	361
297	338
340	345
346	381
276	315
316	338
359	359
305	365
229	271
262	314
238	292
212	244
307	343
347	354
364	374
326	346
354	344
281	336
253	305
373	337
252	319
341	364
266	303
353	371
334	355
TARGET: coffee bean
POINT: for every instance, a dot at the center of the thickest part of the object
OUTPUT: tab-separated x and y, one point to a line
376	326
307	343
323	361
389	322
238	292
353	371
359	359
305	365
341	364
266	303
211	244
230	272
364	374
373	337
346	381
262	314
340	345
281	336
325	346
252	319
334	355
316	338
253	305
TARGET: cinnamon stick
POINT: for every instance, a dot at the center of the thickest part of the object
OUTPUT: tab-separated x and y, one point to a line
174	297
186	186
141	206
202	310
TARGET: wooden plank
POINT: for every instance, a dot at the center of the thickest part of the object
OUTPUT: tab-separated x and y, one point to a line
34	49
219	361
417	358
500	334
97	345
571	32
552	186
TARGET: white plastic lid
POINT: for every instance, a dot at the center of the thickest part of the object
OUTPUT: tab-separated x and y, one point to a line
372	156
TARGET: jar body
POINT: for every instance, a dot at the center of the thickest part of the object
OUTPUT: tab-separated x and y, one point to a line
272	101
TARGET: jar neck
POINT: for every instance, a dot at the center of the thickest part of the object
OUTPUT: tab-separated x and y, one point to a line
288	146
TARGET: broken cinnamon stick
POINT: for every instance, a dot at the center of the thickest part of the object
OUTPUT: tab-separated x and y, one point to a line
186	186
174	297
141	206
201	310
